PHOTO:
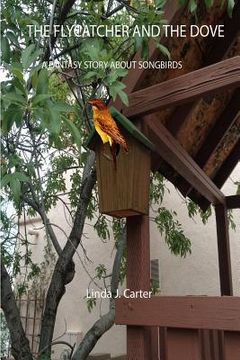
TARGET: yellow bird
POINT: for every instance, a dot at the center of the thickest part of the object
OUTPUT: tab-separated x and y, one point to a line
107	128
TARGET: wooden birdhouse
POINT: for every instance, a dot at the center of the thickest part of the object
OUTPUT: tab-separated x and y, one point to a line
124	190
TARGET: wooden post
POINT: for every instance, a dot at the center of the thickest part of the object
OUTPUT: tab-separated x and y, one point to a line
224	257
183	344
138	278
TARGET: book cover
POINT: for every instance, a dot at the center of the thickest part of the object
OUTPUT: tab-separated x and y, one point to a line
120	179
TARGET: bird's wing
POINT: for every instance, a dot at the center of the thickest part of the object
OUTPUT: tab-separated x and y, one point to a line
109	126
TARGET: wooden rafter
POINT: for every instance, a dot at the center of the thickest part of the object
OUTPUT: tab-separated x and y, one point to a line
228	166
185	88
223	124
233	202
172	152
221	44
219	50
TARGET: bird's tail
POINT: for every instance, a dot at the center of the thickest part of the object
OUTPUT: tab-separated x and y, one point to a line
123	143
115	150
119	139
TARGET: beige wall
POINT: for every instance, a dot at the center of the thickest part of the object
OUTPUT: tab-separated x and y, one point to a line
195	274
198	272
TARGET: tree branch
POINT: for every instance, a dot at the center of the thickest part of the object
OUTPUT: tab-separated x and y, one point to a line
64	269
106	321
61	19
19	342
45	221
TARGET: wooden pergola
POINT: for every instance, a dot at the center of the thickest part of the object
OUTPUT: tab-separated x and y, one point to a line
192	116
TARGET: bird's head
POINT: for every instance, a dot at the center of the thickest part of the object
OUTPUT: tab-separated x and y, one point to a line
97	104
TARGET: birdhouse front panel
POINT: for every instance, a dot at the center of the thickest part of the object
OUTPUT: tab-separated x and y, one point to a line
123	189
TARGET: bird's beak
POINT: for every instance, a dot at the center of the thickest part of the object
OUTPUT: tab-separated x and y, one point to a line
90	102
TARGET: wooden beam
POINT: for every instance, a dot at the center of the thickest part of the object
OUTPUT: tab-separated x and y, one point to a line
221	44
232	345
188	312
233	202
223	125
173	153
183	344
227	167
138	278
218	50
185	88
224	256
223	173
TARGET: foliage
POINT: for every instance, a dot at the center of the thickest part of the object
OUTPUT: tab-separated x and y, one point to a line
177	242
154	287
237	183
194	210
193	4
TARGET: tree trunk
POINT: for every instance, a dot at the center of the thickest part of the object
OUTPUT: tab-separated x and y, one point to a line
107	320
64	269
19	343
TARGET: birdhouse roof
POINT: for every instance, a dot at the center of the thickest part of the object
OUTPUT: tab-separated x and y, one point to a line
126	125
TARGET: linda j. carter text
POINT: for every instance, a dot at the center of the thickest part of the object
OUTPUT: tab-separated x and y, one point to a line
127	293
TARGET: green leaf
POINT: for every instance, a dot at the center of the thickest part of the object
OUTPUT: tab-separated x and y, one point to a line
121	72
63	107
26	55
15	98
160	3
34	77
115	88
91	302
12	37
90	75
101	271
74	131
164	50
145	49
10	179
39	98
182	2
29	55
20	176
42	82
123	96
16	70
5	48
13	114
5	180
138	42
230	6
92	48
53	124
20	86
192	5
209	3
15	186
114	75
